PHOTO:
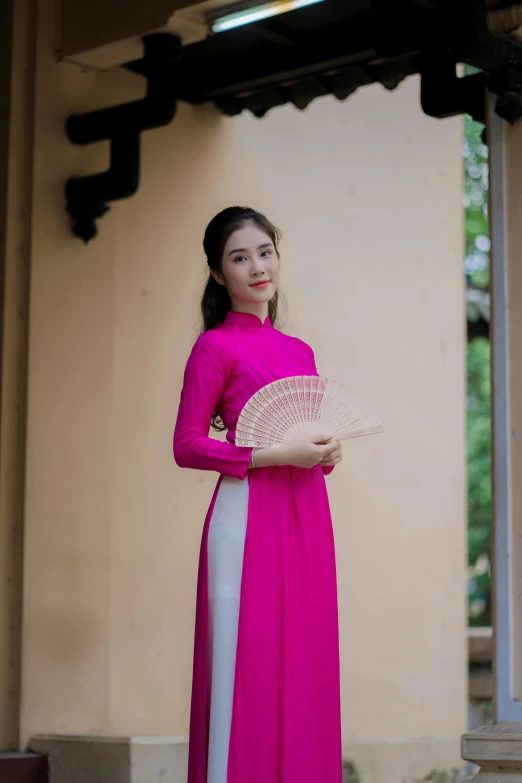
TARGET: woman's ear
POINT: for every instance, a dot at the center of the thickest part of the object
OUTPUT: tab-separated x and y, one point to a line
218	277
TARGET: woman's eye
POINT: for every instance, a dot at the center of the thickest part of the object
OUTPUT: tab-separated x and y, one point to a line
267	253
239	258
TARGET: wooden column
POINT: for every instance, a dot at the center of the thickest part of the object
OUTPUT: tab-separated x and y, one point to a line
17	47
498	749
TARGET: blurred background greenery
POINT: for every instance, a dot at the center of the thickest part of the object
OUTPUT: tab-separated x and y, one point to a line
476	265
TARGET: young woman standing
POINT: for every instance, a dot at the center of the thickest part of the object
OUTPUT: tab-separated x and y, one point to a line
265	692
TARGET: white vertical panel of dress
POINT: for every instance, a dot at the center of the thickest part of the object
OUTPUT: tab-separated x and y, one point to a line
226	544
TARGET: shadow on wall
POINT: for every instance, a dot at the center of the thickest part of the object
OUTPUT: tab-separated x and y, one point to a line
350	772
454	775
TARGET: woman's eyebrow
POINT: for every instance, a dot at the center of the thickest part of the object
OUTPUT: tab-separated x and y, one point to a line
244	249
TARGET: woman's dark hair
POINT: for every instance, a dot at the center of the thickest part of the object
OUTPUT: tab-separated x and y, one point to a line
215	302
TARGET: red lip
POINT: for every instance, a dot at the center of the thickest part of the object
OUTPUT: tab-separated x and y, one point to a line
262	282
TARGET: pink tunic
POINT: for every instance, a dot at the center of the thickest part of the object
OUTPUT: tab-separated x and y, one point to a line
286	722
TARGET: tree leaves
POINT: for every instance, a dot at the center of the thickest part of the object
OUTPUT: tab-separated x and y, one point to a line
476	266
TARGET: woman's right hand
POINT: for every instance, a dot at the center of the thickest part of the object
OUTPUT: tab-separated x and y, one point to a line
305	452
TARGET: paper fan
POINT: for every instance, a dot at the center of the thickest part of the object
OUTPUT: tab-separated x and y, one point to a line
300	406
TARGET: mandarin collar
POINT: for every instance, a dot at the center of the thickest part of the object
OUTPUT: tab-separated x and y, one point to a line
234	318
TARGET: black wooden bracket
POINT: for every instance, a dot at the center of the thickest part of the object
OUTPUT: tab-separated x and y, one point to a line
444	94
507	85
87	197
325	48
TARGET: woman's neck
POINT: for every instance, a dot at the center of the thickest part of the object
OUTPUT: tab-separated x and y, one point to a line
260	310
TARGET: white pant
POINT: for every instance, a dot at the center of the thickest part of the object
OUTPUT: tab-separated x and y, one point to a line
226	543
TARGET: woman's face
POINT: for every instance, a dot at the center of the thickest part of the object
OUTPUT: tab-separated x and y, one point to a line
250	267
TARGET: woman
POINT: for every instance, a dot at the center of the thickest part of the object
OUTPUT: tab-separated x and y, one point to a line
265	691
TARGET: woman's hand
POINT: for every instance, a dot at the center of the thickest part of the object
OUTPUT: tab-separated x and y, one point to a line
309	451
333	455
302	453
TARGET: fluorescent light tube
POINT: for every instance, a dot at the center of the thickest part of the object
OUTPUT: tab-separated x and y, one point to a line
259	12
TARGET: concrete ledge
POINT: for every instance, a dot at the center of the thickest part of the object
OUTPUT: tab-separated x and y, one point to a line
500	742
480	656
413	761
497	750
480	645
91	759
160	759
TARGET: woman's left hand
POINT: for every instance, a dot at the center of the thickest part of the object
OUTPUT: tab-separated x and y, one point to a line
333	455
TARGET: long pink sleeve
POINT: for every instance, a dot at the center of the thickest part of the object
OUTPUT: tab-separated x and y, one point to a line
326	469
206	374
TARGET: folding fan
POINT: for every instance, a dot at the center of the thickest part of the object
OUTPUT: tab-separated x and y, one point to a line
300	406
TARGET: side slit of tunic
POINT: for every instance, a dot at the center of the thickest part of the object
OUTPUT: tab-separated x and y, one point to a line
225	548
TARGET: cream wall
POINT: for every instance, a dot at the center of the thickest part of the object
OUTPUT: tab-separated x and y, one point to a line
368	195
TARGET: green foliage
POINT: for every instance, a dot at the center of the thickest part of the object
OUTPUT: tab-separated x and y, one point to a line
476	204
479	480
478	378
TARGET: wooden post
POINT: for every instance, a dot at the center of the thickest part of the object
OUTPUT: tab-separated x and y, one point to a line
17	72
497	749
